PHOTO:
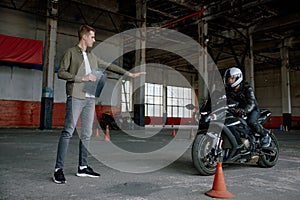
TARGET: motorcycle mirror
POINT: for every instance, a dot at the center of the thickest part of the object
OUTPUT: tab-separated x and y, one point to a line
190	106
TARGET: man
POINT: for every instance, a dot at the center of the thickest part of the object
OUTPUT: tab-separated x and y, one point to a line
76	67
243	93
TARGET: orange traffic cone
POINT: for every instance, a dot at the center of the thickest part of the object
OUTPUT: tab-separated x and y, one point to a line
97	132
107	136
192	134
219	187
173	131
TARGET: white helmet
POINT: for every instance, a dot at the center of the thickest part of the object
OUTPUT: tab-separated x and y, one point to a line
233	72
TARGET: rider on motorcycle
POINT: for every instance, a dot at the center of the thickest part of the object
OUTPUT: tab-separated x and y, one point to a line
241	92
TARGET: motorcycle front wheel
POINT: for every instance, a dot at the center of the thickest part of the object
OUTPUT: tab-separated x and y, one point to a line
269	157
202	154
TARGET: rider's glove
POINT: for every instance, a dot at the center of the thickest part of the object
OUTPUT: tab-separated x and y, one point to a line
240	111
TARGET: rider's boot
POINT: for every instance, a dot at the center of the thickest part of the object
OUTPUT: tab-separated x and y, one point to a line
266	140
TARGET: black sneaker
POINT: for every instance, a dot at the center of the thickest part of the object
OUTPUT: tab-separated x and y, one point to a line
59	177
87	172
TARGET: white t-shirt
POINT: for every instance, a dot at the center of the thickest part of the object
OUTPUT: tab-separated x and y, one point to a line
87	70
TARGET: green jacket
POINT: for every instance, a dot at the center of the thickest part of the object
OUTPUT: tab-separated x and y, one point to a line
72	70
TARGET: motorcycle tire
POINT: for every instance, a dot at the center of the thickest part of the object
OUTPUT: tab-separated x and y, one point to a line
200	148
114	126
268	161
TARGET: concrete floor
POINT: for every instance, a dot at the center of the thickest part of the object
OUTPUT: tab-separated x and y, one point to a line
28	157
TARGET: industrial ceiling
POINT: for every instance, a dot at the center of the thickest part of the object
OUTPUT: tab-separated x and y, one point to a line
272	24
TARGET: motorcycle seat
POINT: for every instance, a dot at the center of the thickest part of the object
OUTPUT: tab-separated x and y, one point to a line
264	114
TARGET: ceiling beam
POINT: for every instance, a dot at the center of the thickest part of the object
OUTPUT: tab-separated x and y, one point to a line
181	3
103	10
162	13
277	23
221	12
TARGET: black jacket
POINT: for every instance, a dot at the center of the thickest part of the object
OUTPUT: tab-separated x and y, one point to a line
244	96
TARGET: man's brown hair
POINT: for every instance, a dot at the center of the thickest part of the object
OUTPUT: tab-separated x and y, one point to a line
84	29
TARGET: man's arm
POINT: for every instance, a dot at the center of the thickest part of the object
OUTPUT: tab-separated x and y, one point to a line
64	69
251	101
119	70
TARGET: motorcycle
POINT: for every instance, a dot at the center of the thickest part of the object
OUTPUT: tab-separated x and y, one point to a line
222	136
124	121
117	121
108	119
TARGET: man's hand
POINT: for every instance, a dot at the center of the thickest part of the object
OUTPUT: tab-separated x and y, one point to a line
240	111
89	77
134	75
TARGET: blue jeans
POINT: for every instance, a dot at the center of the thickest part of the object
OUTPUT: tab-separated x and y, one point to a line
75	108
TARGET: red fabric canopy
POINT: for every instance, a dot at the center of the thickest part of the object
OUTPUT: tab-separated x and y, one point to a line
21	50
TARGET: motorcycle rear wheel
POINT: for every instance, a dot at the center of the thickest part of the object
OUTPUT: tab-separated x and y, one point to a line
201	151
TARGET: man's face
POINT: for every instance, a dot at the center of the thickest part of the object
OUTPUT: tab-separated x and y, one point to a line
231	80
89	39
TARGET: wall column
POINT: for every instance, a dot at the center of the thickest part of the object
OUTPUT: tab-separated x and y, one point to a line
49	65
249	71
285	87
140	56
203	55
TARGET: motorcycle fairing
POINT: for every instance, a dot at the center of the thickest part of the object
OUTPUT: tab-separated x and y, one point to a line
238	126
227	133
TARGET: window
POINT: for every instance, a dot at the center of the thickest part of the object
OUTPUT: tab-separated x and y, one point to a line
153	100
177	99
126	96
